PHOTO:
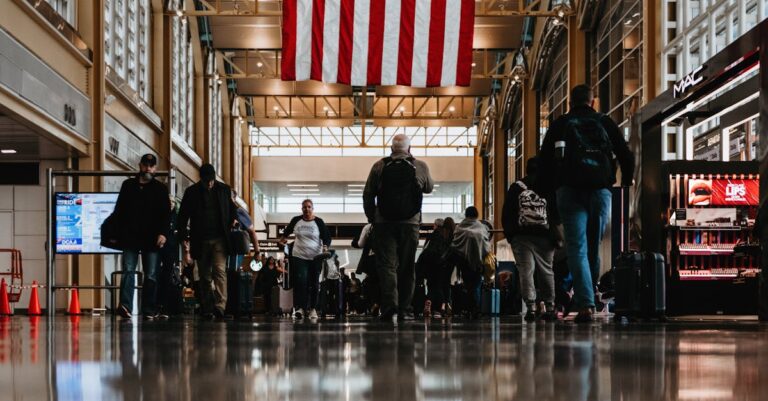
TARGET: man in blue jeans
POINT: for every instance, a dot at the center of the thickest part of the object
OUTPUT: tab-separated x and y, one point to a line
143	215
577	160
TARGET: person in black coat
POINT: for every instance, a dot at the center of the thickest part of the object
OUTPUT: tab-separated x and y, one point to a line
205	218
143	215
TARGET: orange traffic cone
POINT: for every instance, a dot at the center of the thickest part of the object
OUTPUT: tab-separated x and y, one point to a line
34	302
74	304
5	306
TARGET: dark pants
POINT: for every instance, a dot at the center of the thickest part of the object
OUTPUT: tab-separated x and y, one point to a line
213	276
439	285
395	249
305	276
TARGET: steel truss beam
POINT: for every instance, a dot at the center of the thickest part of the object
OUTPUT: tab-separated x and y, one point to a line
360	108
348	137
267	8
265	64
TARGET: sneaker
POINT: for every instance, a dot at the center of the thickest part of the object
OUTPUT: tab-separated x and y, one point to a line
313	314
549	316
584	316
298	314
218	314
529	316
387	315
123	312
406	316
163	316
437	315
150	316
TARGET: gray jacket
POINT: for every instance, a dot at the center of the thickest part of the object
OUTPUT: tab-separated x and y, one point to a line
374	183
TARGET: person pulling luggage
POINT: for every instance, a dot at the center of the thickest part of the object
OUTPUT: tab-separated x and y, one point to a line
577	157
312	241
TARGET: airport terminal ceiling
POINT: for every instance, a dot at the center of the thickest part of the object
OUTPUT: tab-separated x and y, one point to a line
249	36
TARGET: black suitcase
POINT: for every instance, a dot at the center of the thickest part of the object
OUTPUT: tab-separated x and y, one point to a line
640	285
239	293
245	293
331	298
171	290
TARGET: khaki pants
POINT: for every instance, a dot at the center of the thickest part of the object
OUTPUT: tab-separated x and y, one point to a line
213	276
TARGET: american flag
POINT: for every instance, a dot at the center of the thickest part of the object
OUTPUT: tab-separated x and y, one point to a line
419	43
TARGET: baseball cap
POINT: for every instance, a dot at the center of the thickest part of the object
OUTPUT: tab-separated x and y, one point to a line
148	160
207	172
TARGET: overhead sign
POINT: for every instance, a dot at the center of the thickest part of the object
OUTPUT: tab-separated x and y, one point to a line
688	82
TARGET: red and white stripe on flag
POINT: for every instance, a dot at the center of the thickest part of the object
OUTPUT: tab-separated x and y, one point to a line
419	43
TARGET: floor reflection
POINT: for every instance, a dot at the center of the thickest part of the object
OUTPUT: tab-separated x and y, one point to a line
93	358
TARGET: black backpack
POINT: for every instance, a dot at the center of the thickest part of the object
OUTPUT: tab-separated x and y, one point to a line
400	195
588	153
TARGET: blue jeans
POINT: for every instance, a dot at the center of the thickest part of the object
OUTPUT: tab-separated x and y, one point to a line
584	214
150	262
305	276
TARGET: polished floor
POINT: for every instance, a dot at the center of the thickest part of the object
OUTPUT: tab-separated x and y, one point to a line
96	358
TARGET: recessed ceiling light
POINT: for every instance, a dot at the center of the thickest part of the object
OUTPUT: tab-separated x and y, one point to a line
303	189
436	185
8	151
356	185
305	195
301	185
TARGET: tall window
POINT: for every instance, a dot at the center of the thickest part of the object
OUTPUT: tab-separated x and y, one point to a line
554	95
65	8
126	43
214	111
616	60
182	77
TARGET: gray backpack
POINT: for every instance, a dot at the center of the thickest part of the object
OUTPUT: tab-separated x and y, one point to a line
533	208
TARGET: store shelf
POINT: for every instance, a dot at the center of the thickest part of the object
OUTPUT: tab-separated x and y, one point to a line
715	274
710	228
706	249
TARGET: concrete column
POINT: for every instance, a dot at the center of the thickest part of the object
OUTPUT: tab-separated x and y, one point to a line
478	182
499	172
88	269
161	45
577	54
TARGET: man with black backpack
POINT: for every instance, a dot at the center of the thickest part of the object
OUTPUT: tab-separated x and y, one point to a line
577	163
392	202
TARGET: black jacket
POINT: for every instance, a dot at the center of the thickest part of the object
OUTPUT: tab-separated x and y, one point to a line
142	213
510	213
192	212
325	234
557	132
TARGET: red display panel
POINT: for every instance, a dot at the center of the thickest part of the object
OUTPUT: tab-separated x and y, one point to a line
724	192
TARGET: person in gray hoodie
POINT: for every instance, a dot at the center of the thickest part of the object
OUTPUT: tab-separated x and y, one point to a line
392	201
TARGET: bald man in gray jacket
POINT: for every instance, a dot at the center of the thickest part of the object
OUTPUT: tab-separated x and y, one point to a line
392	201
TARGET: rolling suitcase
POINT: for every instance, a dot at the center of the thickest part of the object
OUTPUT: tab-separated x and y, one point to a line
490	304
640	285
281	298
244	293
